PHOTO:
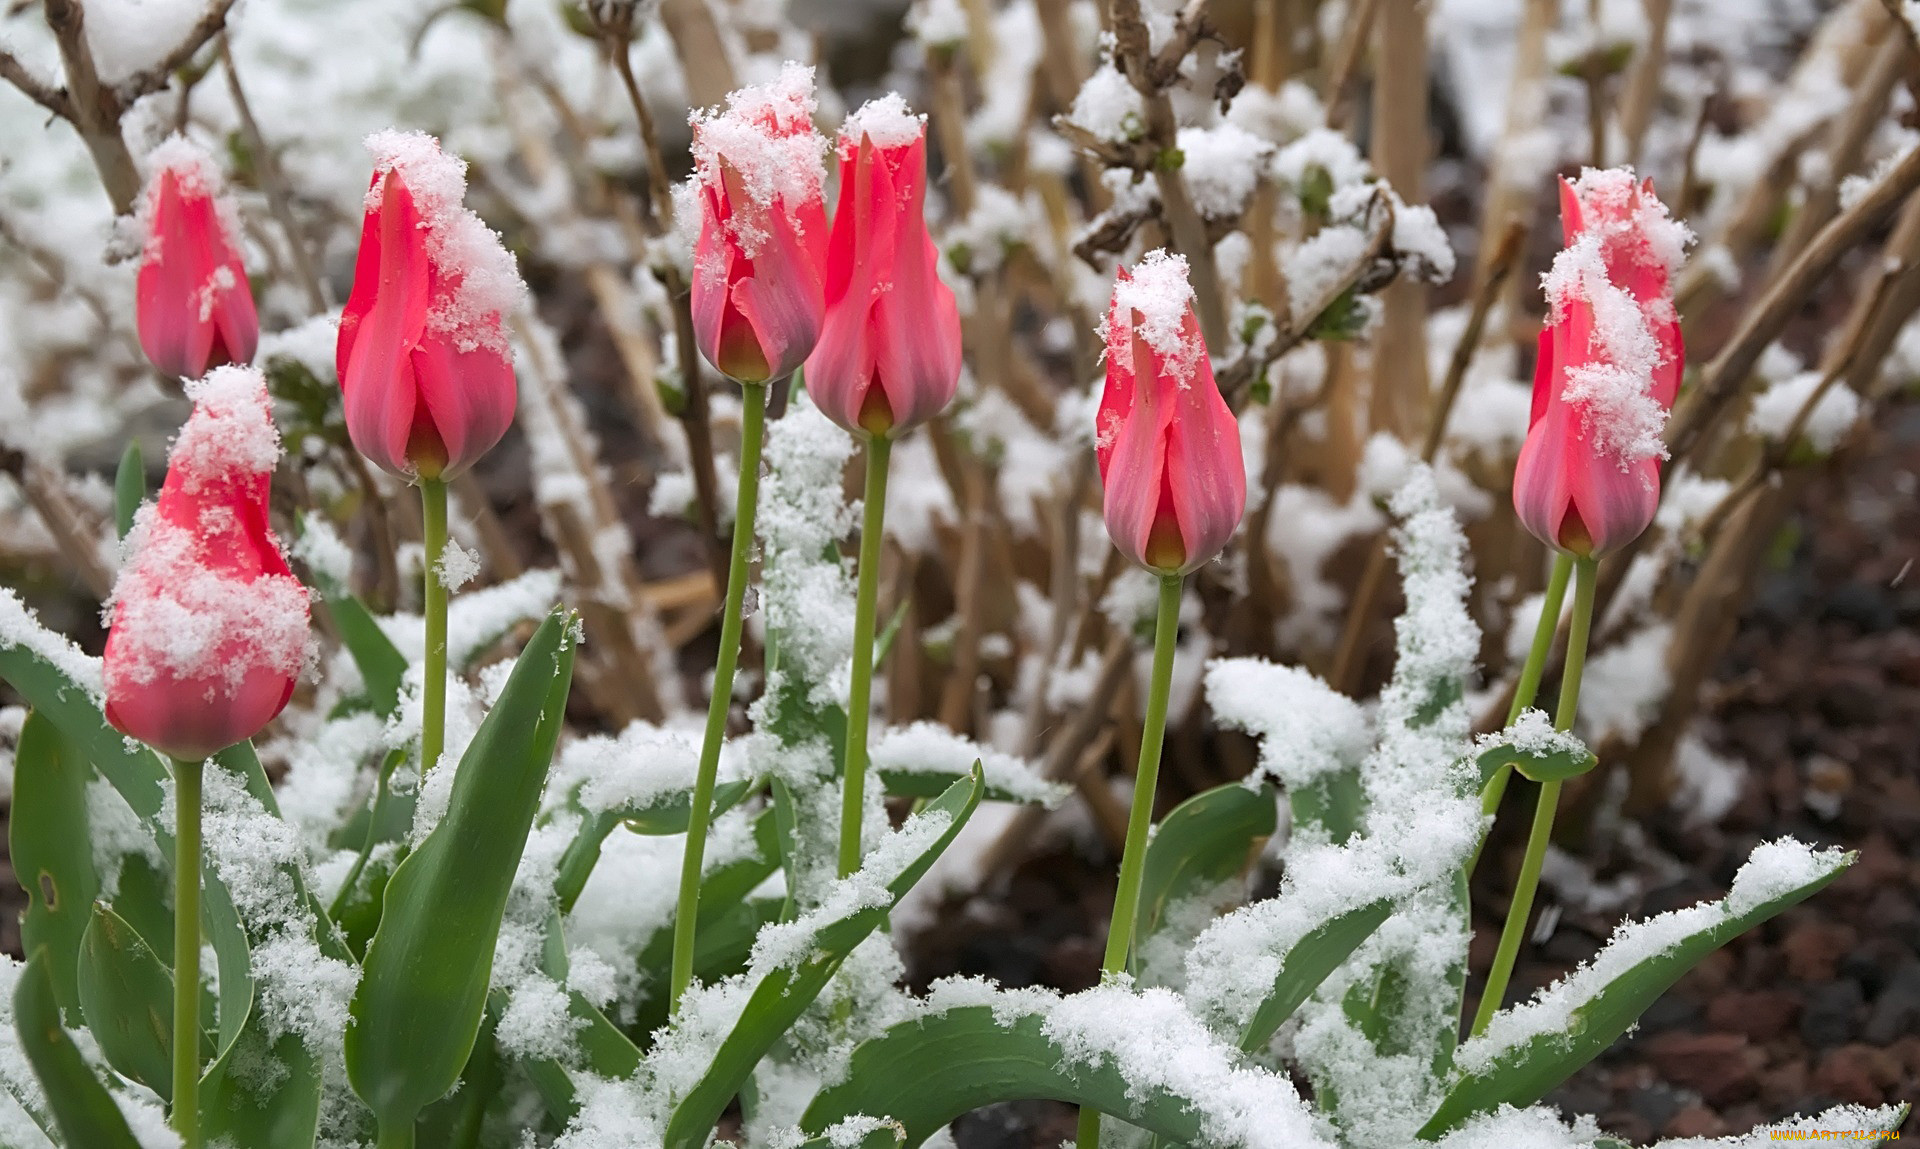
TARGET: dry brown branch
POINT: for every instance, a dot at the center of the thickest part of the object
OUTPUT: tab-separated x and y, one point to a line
1722	378
1845	147
45	489
956	699
495	543
92	107
950	123
1109	816
1235	378
1398	364
703	54
1151	76
273	182
211	23
1643	80
1335	93
1063	753
1064	573
52	99
1346	662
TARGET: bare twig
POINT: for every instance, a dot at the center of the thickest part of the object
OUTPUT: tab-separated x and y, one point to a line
1151	76
1723	378
1846	146
52	99
1643	81
92	107
274	182
45	489
1507	253
1235	378
703	54
211	23
1398	398
1353	44
1064	752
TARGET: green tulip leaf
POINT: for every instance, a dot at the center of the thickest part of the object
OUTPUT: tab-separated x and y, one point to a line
57	680
1318	953
51	848
285	1116
382	667
787	978
126	995
81	1106
925	1072
129	487
666	813
1529	1049
1204	841
417	1010
1533	747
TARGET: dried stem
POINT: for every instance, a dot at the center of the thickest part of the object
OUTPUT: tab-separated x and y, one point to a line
1151	76
1721	380
1335	93
1643	81
1399	396
45	489
273	181
1506	254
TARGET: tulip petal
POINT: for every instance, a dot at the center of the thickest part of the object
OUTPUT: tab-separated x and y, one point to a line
467	396
916	324
782	296
388	313
1136	467
1204	466
841	365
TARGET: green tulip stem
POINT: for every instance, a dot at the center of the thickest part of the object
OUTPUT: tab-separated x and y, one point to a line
753	419
397	1135
186	951
1529	880
433	698
1529	684
1126	899
860	694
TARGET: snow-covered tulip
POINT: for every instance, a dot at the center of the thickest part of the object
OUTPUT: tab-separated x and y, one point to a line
209	627
889	352
758	170
192	302
1168	447
757	300
1588	478
425	369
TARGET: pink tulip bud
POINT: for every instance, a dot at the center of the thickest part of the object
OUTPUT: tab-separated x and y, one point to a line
757	266
1588	478
889	353
1169	449
425	369
209	626
193	305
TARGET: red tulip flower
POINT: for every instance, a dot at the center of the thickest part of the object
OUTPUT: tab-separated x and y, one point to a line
209	626
193	305
1588	478
1168	447
889	354
757	266
425	368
